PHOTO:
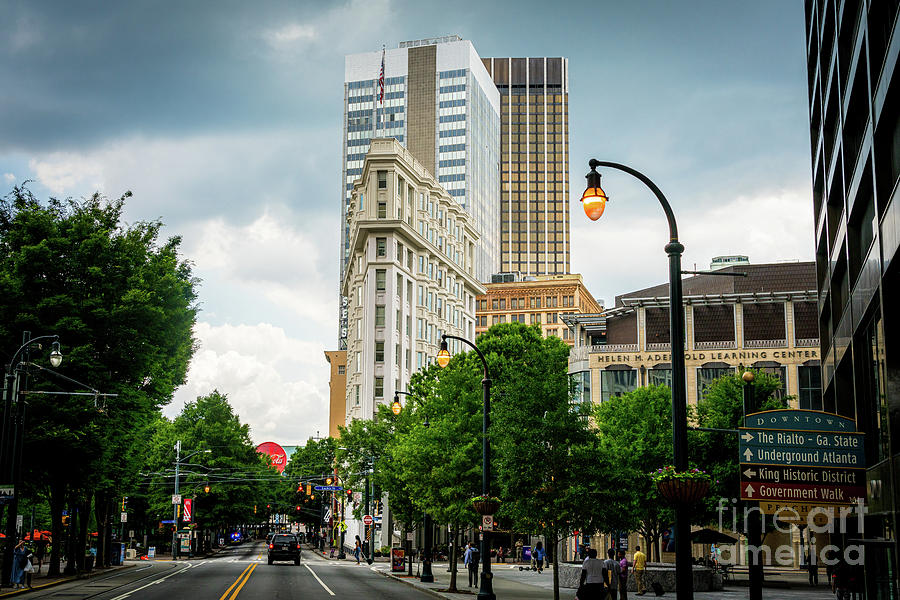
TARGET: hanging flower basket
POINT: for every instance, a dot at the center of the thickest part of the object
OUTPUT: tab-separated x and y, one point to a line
486	505
681	487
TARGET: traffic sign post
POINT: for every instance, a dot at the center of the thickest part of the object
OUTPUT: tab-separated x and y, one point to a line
368	520
801	463
487	522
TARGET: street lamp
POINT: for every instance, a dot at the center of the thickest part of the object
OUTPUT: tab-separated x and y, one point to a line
13	429
594	202
486	590
427	528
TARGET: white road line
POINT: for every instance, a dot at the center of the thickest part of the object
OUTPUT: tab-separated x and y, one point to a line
155	582
322	583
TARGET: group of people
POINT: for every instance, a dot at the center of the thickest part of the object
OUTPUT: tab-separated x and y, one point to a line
607	579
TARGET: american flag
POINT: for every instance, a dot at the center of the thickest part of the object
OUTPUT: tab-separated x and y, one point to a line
381	79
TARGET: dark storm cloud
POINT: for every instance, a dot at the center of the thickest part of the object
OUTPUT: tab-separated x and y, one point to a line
77	72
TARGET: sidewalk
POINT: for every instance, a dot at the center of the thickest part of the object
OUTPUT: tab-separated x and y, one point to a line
42	580
510	583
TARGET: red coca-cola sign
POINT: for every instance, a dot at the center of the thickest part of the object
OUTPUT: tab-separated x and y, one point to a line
276	454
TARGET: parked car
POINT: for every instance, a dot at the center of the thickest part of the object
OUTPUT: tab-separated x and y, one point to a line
284	546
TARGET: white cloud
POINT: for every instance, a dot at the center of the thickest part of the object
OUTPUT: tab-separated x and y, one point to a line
62	171
269	257
9	177
291	33
275	383
616	256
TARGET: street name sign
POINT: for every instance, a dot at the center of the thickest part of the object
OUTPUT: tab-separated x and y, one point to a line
7	492
328	488
801	457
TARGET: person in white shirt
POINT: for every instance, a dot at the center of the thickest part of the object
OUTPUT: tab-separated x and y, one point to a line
470	560
592	585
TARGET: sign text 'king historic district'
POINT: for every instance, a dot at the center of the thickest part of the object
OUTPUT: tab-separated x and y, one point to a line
801	456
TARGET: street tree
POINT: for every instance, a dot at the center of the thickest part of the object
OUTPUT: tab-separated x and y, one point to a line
635	437
123	303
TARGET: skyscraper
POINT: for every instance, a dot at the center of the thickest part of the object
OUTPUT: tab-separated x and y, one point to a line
438	101
854	91
534	163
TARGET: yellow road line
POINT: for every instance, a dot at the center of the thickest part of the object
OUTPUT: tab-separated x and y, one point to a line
246	579
235	582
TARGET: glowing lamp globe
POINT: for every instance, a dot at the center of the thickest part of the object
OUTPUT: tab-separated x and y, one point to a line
594	202
396	408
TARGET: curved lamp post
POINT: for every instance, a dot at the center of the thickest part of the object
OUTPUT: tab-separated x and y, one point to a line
486	591
427	541
12	436
594	202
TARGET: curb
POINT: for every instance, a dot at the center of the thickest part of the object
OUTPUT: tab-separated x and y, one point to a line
61	581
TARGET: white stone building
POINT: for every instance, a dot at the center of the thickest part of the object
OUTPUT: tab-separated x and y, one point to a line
410	275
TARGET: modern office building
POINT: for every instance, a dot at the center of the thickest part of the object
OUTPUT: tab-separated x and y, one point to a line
410	277
540	300
854	112
534	163
337	386
439	102
766	320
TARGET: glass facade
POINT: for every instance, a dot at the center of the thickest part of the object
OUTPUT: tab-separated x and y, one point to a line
614	383
534	163
705	376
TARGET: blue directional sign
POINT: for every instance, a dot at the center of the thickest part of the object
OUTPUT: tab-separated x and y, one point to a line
328	488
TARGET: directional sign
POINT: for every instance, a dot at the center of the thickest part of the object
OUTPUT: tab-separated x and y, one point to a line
7	492
801	456
329	488
772	446
368	520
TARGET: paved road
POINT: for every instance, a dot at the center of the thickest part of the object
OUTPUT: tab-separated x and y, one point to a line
240	573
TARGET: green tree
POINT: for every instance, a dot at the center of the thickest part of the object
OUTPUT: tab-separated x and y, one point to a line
722	407
216	450
310	464
635	437
545	454
123	304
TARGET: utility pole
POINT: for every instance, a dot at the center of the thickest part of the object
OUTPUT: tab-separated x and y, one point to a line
754	520
176	505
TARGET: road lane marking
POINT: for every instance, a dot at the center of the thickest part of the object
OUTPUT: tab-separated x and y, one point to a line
246	579
155	582
322	583
231	587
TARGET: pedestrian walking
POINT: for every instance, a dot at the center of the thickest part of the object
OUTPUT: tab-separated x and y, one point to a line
640	568
840	580
20	557
519	546
611	573
357	549
470	560
591	586
538	555
813	568
623	576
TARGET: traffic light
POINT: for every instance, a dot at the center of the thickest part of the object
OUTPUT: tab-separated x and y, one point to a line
254	509
298	508
124	501
328	481
309	489
65	520
349	493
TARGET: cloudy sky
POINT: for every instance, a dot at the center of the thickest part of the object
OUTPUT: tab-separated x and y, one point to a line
224	120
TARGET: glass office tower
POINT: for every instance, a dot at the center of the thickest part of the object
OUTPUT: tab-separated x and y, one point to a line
534	163
854	91
440	102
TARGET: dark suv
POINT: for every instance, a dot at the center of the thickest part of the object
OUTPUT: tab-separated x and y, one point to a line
284	546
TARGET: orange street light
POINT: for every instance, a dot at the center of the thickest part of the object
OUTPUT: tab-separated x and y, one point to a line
594	198
396	407
443	356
